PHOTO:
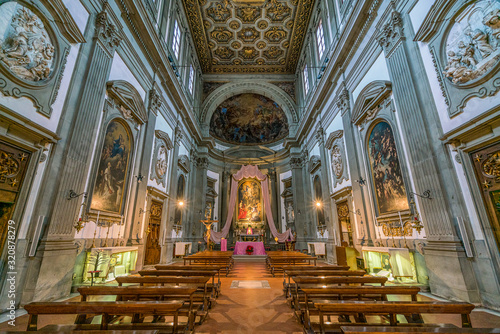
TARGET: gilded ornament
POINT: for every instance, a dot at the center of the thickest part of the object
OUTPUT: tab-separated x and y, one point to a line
261	45
262	24
234	24
224	52
343	210
277	11
261	61
477	157
289	25
491	166
221	34
236	45
219	12
273	52
487	184
286	44
248	53
26	48
248	14
275	35
248	34
9	167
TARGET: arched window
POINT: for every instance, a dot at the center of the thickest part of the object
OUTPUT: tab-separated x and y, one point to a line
388	184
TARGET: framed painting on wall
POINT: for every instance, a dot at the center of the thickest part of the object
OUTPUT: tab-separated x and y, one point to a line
389	187
108	192
249	204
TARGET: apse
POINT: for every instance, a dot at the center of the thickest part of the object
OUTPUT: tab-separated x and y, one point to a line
249	119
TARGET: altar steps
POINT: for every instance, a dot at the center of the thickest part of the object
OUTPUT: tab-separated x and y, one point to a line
249	258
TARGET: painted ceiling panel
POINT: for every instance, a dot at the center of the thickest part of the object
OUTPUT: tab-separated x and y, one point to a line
255	36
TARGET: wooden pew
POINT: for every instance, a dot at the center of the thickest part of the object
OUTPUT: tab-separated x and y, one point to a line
186	273
192	267
72	329
211	257
106	309
310	268
421	330
206	294
301	282
389	308
304	310
127	293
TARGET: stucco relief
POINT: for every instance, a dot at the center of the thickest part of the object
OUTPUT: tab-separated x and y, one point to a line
337	162
26	48
335	144
163	145
472	46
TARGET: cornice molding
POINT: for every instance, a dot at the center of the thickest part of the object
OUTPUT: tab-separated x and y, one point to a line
369	98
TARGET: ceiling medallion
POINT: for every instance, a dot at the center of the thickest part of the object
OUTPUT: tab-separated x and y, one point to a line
248	34
224	53
262	24
248	53
261	45
234	24
273	52
236	45
248	14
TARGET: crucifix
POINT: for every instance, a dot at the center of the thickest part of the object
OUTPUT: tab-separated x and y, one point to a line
208	224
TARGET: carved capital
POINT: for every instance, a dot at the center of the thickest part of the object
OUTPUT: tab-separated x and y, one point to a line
296	162
178	136
202	163
391	34
343	101
320	136
154	101
106	32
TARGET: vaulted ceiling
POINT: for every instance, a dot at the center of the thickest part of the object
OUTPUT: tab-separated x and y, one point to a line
248	36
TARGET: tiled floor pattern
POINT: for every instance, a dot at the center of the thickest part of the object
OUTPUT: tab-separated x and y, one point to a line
250	308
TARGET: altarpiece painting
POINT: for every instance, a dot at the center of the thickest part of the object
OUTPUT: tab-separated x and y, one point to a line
389	187
112	171
249	204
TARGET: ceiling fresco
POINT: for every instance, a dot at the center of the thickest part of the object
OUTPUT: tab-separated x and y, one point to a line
255	36
249	119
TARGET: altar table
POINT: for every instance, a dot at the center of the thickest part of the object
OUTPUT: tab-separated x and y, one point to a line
180	248
241	247
319	248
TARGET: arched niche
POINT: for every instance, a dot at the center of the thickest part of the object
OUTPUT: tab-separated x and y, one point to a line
231	89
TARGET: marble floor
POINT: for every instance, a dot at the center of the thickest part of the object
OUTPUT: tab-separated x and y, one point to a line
255	304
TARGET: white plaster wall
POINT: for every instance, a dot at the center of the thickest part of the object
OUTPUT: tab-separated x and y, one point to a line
215	209
378	71
282	201
418	13
120	71
183	150
315	151
78	12
469	201
404	156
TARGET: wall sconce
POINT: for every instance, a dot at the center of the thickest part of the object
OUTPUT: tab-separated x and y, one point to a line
361	181
139	178
72	194
141	211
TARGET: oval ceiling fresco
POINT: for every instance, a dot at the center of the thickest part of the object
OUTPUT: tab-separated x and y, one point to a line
249	119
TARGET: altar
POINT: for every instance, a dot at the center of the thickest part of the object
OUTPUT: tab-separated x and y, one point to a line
241	247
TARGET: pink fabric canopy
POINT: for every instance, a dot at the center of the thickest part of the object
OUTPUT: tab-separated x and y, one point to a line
247	171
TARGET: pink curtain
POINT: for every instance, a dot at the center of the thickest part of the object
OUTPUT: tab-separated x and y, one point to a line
244	172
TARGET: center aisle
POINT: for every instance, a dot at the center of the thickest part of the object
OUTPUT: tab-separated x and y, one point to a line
247	309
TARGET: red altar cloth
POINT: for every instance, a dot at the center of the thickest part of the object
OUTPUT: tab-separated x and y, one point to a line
241	247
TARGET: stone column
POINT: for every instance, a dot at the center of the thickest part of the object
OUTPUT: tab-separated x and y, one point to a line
199	197
299	199
275	203
356	171
325	188
450	274
172	199
78	129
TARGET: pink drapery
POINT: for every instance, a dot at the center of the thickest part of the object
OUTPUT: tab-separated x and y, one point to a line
245	172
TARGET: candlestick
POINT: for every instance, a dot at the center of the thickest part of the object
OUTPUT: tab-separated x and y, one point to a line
95	231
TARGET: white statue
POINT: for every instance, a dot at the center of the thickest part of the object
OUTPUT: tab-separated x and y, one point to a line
289	212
